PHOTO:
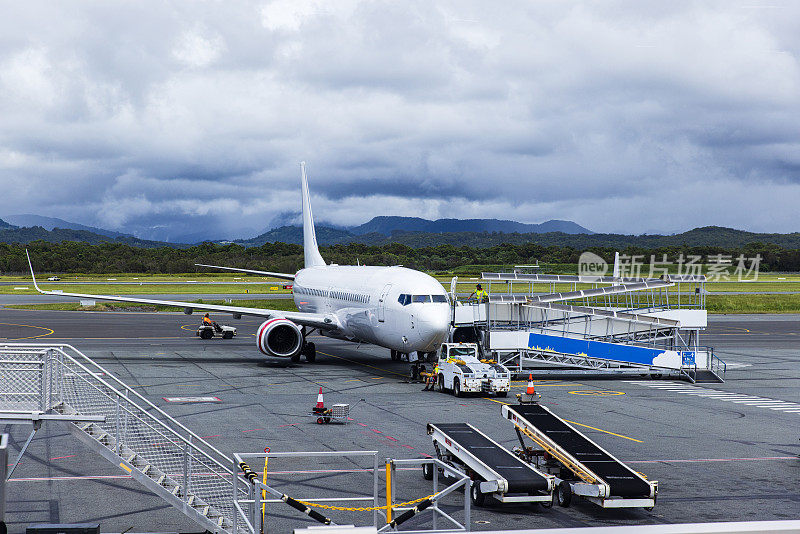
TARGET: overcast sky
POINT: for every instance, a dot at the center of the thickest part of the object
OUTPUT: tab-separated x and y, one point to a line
170	117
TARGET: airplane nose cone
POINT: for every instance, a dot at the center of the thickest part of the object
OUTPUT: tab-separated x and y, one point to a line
435	324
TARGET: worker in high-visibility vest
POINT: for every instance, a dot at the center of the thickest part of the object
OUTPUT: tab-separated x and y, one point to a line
430	380
207	320
480	294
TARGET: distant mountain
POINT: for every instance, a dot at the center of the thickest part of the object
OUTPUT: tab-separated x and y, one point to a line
48	223
386	225
709	236
4	225
58	235
294	234
381	229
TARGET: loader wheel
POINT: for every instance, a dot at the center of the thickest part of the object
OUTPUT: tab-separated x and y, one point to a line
295	358
564	494
478	497
456	388
427	471
502	393
227	335
206	334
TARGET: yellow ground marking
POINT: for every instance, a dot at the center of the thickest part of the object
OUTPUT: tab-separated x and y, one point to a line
596	393
579	424
50	331
125	467
362	364
604	431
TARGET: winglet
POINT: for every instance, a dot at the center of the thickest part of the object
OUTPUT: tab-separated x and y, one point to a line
35	285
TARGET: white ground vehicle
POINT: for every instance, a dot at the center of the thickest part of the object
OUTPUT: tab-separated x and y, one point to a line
54	279
208	331
460	371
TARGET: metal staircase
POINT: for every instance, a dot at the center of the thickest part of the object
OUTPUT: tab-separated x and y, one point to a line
132	433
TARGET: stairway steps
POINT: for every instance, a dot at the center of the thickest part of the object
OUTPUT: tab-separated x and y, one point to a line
155	464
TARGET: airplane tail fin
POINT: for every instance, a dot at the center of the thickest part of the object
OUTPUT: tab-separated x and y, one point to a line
312	255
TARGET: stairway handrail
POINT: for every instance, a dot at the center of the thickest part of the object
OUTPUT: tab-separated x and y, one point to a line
192	443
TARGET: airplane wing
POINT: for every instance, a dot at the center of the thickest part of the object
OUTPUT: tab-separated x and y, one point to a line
314	320
265	273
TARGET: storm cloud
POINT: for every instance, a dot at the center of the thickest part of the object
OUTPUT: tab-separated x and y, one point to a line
166	118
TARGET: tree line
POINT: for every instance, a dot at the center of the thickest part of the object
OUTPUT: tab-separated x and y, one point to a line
71	256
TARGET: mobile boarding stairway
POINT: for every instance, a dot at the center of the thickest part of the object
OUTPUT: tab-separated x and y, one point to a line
494	470
58	383
618	326
581	466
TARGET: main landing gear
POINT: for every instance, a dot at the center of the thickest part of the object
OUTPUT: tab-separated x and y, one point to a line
309	350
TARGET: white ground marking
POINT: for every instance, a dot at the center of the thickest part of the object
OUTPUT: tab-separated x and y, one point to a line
737	398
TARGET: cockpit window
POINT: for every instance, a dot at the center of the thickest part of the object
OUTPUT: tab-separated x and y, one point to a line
439	298
420	298
404	299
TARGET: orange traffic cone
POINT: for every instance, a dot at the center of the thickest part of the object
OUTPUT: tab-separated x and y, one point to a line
530	390
320	404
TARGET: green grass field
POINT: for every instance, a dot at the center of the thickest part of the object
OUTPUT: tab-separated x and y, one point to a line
716	304
226	283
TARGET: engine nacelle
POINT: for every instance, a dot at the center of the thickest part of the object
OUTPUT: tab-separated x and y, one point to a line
280	337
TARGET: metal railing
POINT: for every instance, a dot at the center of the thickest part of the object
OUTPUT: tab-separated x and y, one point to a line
60	379
251	512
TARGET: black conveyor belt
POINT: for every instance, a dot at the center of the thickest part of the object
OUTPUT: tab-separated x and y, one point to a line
520	476
623	481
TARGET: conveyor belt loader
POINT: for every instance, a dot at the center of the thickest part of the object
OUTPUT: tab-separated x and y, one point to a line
580	465
494	470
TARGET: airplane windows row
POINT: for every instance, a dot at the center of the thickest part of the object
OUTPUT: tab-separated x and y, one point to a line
406	299
342	295
308	291
352	297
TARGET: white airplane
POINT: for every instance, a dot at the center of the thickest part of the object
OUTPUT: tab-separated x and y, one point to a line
401	309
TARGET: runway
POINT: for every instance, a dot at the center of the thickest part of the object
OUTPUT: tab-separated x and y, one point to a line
715	460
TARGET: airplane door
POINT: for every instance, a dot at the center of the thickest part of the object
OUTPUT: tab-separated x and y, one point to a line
382	303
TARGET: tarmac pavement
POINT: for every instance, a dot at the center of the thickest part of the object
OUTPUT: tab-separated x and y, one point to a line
715	460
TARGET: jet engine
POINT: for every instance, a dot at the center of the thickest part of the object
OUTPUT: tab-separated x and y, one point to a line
280	337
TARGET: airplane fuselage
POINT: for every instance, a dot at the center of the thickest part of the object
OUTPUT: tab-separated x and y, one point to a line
394	307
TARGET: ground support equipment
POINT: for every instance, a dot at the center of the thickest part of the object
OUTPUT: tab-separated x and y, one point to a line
493	469
337	413
580	465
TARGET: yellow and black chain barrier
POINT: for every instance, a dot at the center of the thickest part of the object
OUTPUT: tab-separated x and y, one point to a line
366	508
